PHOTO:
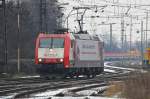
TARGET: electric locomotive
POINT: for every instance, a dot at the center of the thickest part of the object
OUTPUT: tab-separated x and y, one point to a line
69	54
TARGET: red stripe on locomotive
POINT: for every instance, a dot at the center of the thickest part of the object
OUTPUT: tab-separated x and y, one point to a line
67	51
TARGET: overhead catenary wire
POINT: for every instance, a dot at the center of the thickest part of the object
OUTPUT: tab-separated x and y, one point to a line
113	11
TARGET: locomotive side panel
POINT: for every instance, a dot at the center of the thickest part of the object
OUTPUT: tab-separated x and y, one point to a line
88	53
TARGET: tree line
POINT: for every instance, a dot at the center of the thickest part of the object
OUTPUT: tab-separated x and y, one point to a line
29	11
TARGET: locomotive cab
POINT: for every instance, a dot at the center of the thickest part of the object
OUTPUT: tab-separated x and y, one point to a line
52	52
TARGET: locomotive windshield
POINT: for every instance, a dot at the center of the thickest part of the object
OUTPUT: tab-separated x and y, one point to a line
52	43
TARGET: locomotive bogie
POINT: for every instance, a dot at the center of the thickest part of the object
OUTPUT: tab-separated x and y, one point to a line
69	72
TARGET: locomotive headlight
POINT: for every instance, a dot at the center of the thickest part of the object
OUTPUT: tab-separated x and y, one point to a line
51	50
61	60
40	60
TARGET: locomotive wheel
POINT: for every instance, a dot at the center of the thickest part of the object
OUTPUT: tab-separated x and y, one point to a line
88	76
93	76
71	75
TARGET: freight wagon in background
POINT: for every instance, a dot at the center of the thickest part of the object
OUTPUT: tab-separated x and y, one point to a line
69	54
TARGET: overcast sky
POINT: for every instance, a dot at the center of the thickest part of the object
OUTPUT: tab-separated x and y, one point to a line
110	11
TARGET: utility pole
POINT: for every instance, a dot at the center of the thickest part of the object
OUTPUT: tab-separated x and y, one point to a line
122	36
43	16
131	36
3	50
5	31
146	29
18	36
125	41
111	24
110	37
142	54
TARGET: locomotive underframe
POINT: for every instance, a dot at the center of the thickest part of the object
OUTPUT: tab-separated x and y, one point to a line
58	69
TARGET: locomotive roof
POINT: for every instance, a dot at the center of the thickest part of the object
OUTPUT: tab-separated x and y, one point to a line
73	36
51	35
86	37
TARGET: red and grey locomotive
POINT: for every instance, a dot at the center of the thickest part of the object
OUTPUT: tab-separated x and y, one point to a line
69	54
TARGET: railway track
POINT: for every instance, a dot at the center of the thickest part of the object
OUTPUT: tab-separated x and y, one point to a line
59	86
24	88
88	87
27	88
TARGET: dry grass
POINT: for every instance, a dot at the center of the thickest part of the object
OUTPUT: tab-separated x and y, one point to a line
137	86
114	89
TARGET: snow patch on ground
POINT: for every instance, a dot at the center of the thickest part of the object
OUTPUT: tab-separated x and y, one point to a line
66	92
49	93
37	76
88	97
106	64
119	67
108	70
93	91
11	96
